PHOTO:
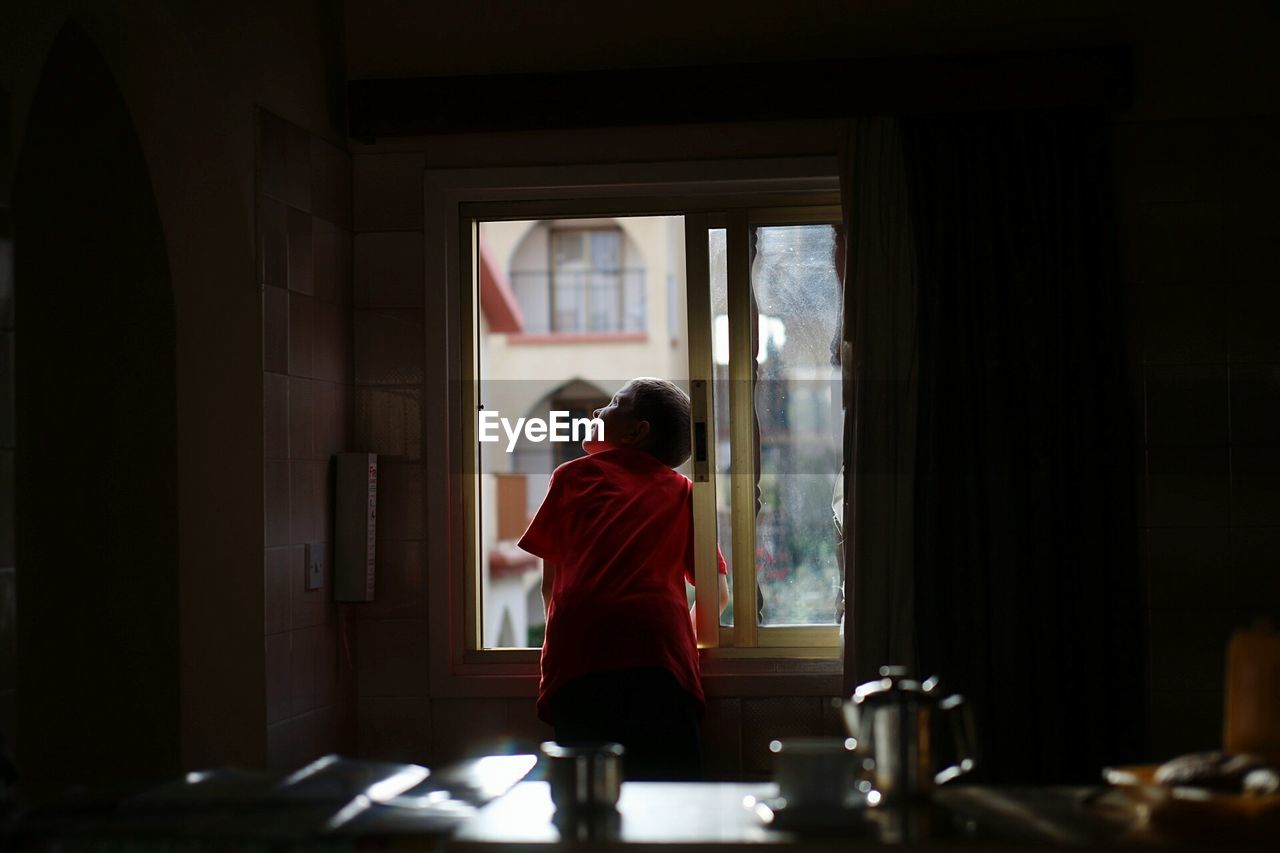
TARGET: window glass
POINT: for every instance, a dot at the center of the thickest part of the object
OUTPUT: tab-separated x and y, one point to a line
574	276
797	404
717	251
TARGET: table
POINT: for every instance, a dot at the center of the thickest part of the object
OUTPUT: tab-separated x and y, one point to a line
676	816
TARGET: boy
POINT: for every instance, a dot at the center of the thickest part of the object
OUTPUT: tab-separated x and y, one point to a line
615	532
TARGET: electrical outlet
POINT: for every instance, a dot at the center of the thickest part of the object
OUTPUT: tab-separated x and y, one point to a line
315	565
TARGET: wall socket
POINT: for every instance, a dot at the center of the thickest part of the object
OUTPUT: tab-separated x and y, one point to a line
315	565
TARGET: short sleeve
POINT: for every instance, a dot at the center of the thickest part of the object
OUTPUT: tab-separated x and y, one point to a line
542	537
721	567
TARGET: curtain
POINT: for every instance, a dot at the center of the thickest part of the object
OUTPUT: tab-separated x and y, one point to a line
990	526
879	353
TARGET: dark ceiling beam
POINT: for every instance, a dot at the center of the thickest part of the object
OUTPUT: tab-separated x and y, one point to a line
827	89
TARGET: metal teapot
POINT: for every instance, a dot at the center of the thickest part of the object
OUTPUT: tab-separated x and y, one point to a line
894	720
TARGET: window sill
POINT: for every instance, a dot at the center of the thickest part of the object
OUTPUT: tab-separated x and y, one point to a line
513	673
579	338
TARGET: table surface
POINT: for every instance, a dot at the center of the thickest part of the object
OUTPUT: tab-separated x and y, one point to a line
674	815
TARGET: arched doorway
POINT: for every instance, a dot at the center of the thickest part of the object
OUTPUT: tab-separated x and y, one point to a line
96	472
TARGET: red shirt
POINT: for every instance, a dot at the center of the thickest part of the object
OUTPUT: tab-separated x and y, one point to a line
618	527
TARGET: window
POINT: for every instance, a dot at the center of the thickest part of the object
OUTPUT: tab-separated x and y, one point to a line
740	275
577	277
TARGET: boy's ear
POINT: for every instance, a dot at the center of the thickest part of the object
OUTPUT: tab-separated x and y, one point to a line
640	432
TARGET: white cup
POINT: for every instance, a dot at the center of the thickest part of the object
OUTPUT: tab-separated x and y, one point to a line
816	771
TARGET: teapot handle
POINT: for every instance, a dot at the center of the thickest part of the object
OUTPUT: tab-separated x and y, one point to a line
959	712
853	722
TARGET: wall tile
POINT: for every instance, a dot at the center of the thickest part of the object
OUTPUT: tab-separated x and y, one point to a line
394	728
273	236
401	585
392	658
333	343
1187	567
302	331
389	421
301	260
331	247
309	506
1255	404
281	566
275	413
463	728
299	167
302	417
311	607
333	418
1188	486
389	270
273	156
302	669
284	747
278	676
389	347
1255	570
277	503
387	191
1255	305
524	730
317	733
1184	323
330	182
1255	486
767	718
401	496
1186	405
1177	242
275	330
328	675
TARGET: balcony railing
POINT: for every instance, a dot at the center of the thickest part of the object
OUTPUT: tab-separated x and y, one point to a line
573	302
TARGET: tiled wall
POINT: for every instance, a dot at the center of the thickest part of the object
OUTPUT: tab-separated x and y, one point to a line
304	232
394	709
1201	230
8	600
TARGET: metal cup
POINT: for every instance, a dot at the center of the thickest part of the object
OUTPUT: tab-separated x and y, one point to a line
584	778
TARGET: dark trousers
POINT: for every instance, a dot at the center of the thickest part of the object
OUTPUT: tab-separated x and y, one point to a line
645	710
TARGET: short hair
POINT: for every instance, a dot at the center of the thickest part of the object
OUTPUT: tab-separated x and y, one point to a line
665	406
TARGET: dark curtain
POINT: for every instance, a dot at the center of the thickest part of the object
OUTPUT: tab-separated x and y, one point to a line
1028	585
879	354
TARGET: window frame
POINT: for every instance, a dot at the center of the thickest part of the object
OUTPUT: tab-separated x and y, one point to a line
454	201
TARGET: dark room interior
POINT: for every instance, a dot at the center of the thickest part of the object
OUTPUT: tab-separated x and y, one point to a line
242	242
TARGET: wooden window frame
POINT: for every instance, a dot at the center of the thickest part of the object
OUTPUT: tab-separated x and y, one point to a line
454	202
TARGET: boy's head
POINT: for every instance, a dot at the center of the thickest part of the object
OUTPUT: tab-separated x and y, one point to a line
650	415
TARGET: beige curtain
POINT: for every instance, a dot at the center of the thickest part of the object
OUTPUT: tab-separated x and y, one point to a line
879	358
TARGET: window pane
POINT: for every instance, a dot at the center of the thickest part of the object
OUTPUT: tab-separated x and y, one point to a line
797	402
717	252
564	277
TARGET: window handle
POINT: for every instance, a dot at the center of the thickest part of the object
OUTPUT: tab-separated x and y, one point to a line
699	405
